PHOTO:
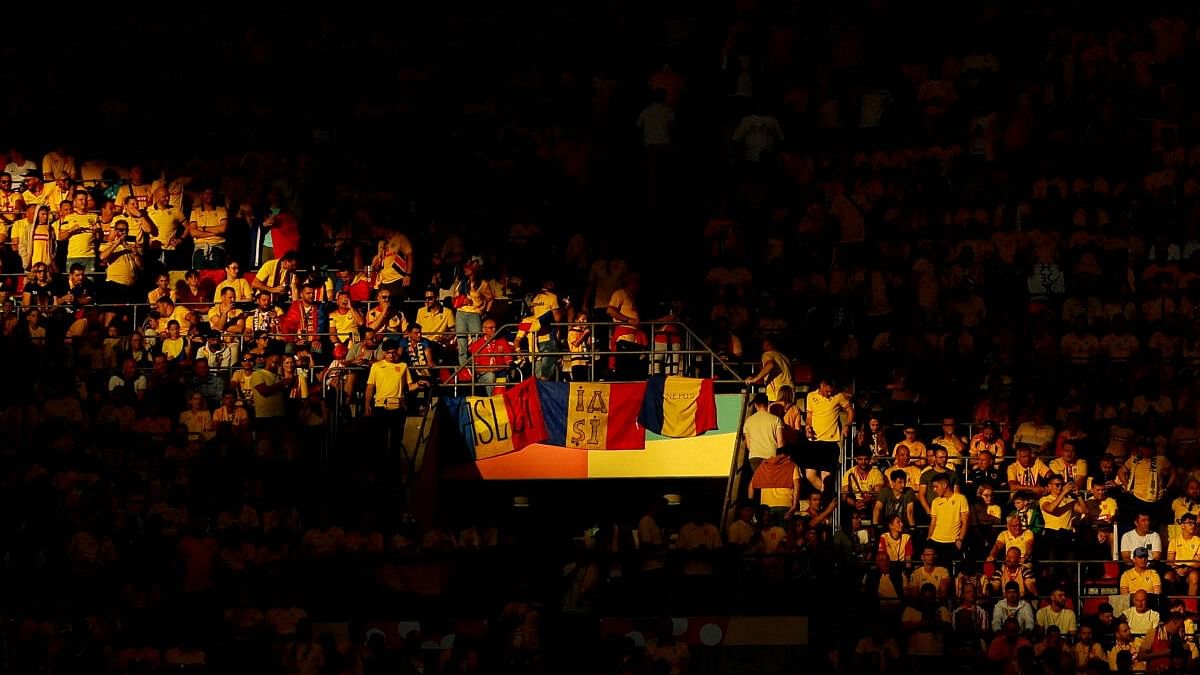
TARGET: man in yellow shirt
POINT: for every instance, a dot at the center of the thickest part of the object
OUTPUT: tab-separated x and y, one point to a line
948	516
1058	512
862	483
81	231
776	370
344	321
1070	467
278	277
167	221
1146	476
1183	555
123	260
168	311
825	430
206	226
388	384
546	310
437	322
1027	473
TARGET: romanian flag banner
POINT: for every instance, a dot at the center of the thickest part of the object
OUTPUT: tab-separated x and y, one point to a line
593	416
679	407
496	425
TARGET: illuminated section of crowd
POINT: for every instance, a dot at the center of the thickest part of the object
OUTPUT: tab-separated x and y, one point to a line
962	273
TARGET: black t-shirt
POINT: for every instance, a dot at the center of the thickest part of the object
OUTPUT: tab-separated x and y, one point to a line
893	504
40	293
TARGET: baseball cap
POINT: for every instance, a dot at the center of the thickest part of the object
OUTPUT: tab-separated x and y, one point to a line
1141	552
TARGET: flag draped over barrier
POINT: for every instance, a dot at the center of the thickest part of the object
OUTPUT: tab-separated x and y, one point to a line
584	415
679	407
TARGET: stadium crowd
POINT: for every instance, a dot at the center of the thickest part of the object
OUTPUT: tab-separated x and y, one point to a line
959	271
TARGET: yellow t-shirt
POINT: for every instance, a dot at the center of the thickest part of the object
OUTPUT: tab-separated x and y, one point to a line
1028	477
42	199
265	406
179	314
782	375
391	381
396	324
1071	473
825	414
166	221
1185	550
781	497
1146	484
1061	521
863	487
1147	580
230	319
622	301
271	274
434	324
1133	648
209	219
947	511
342	326
172	348
1023	542
120	269
81	242
920	577
476	298
40	253
243	292
542	304
916	450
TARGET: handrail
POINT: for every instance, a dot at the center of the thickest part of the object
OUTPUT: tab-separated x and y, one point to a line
735	465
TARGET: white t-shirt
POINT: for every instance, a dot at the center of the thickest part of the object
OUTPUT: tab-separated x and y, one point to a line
655	122
757	134
761	429
1131	540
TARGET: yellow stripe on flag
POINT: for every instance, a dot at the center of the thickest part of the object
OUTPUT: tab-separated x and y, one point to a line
489	423
588	404
680	397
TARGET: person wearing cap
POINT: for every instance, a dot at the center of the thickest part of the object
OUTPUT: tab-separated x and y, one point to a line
1141	536
1013	607
1183	555
1147	475
1057	615
861	482
1140	577
35	192
389	382
219	355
